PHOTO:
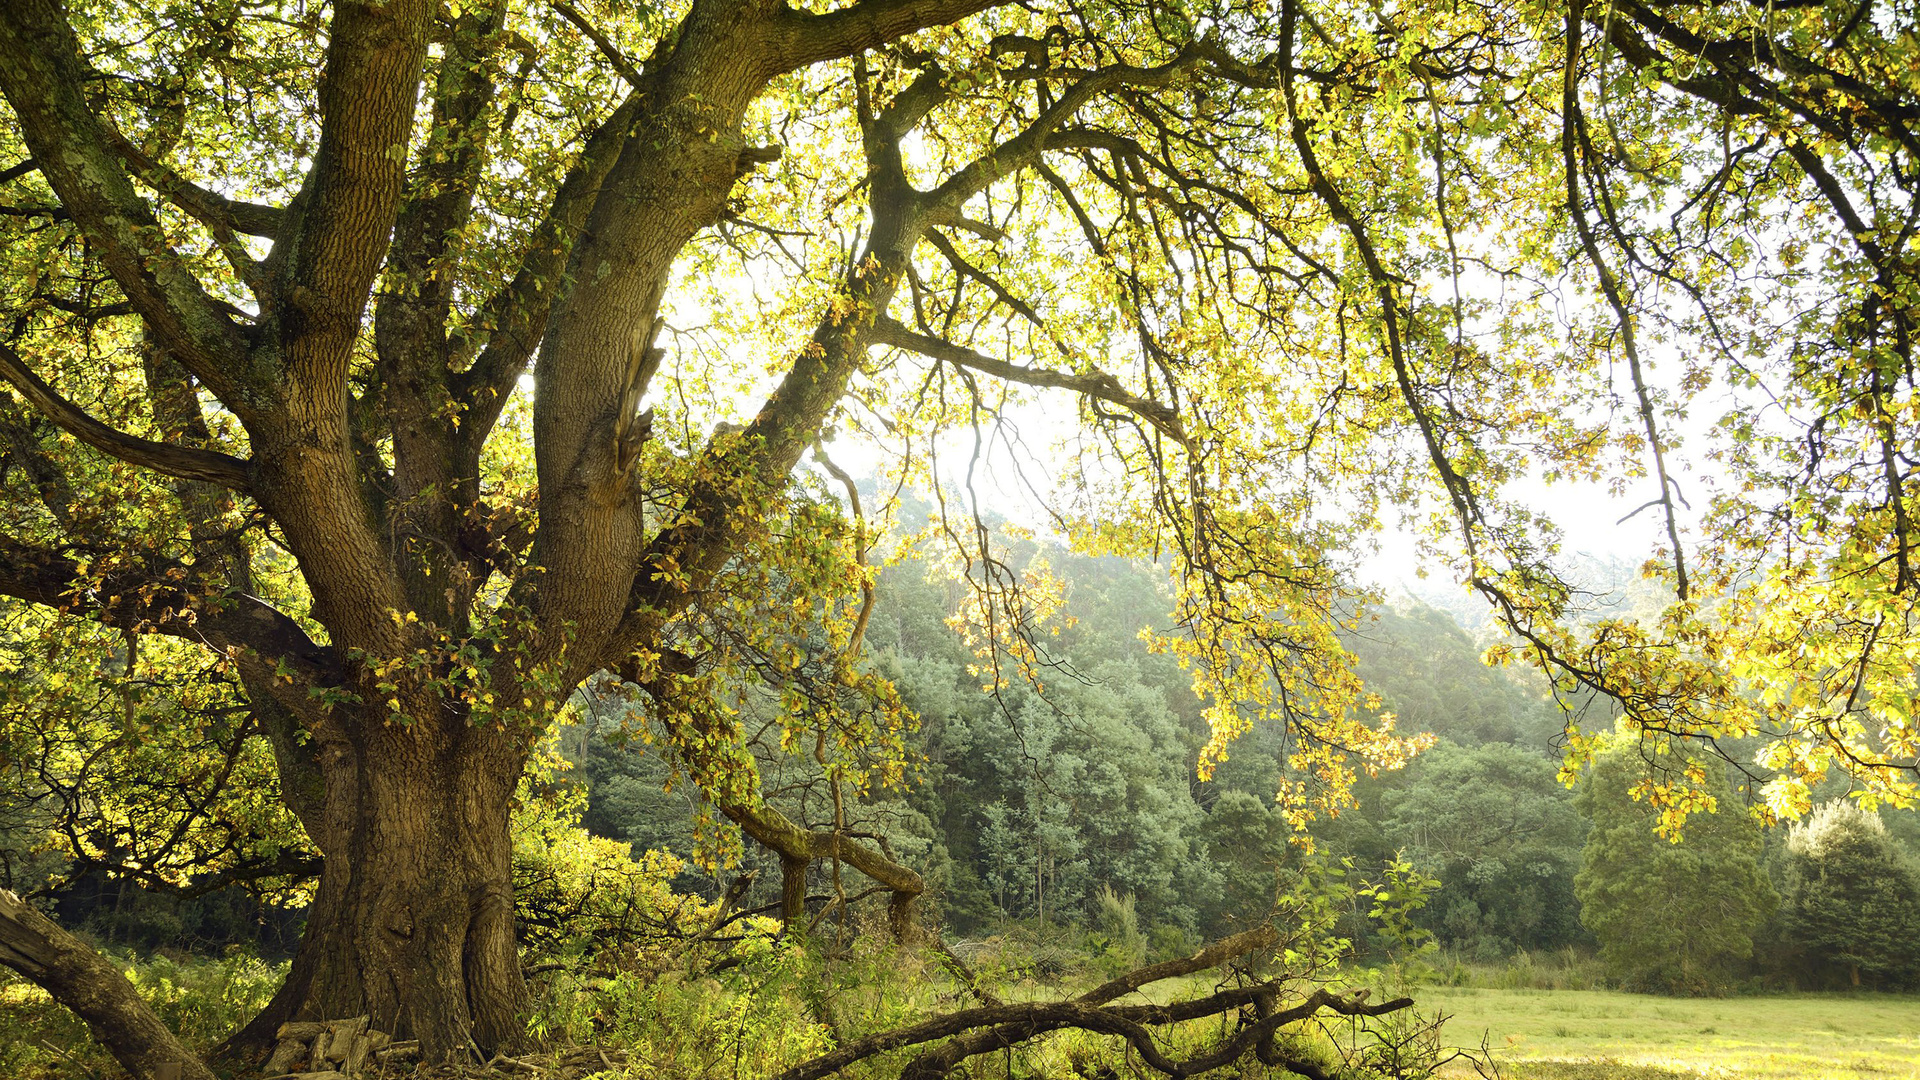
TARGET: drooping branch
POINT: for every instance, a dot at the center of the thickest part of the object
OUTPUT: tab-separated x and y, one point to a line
1573	143
169	459
1460	492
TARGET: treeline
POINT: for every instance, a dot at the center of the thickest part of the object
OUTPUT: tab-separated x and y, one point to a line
1046	809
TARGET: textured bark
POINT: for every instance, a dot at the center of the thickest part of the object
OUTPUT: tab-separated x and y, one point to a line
412	922
96	991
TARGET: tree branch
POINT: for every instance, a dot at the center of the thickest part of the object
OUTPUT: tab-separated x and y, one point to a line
781	835
802	38
516	315
208	207
1095	384
164	601
42	76
340	223
184	462
995	1026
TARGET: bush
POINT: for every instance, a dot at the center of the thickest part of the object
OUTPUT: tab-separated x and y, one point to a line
1116	942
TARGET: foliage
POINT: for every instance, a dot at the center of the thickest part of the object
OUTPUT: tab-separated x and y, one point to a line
1670	916
1851	898
1394	904
1117	941
576	894
137	757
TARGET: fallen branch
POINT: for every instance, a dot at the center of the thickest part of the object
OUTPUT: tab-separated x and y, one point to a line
82	980
998	1025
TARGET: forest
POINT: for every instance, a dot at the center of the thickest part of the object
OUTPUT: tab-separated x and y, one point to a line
872	537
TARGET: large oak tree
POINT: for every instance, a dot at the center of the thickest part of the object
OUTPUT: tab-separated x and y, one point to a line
291	291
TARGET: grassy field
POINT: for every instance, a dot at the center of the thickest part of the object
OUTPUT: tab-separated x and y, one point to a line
1598	1035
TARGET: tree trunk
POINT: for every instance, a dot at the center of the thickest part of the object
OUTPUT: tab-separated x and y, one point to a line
83	980
793	891
412	920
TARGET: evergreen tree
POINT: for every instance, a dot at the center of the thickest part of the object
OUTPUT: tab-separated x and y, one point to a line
1852	899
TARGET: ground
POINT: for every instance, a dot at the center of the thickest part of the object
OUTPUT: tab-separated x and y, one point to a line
1599	1035
757	1024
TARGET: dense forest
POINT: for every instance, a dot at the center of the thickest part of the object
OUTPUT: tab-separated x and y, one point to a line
1034	808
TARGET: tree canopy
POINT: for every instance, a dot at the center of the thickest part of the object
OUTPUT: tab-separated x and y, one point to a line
418	362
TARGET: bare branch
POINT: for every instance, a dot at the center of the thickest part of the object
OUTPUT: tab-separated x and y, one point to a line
184	462
1095	384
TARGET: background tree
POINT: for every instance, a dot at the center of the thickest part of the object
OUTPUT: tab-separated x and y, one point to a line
1671	916
1851	899
1492	823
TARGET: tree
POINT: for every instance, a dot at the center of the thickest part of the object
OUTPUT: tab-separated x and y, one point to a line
1852	899
1498	830
1677	917
329	332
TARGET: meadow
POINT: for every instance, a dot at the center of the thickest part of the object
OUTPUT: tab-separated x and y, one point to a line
1604	1035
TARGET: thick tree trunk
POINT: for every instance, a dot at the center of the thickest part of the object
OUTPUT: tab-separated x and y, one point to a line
412	920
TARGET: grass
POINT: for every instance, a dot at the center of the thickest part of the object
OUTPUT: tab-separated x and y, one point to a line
1602	1035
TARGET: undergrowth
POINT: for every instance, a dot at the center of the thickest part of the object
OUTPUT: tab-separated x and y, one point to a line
202	1000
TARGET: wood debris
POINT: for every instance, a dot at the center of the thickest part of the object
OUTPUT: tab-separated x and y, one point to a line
332	1050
